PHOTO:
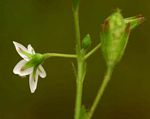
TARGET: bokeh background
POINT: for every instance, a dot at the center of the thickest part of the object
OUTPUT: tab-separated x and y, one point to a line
48	26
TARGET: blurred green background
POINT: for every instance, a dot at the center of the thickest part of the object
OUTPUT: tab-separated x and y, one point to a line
48	26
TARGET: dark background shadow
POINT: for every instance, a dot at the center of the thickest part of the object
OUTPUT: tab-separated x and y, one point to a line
48	26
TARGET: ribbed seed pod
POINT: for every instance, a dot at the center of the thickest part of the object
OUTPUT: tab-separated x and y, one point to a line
114	36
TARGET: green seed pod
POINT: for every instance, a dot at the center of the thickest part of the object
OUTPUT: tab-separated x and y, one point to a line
114	36
86	42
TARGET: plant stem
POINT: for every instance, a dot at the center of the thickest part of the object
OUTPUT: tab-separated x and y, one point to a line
100	91
92	51
79	87
77	31
47	55
80	67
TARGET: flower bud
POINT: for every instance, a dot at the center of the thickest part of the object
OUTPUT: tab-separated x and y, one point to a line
115	34
86	42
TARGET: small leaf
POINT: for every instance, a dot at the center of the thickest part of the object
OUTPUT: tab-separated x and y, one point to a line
83	113
84	71
86	42
74	69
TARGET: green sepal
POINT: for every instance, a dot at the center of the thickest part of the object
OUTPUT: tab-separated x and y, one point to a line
35	60
134	21
86	42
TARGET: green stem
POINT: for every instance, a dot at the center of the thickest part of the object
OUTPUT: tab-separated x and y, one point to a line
92	51
79	87
100	91
80	67
47	55
77	31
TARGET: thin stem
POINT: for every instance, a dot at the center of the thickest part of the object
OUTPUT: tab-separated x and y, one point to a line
100	91
47	55
79	87
80	66
92	51
77	31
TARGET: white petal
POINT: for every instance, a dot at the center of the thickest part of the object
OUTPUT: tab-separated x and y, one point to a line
30	49
19	66
41	71
18	69
22	51
33	80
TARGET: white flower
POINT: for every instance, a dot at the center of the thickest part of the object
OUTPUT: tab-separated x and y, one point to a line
30	65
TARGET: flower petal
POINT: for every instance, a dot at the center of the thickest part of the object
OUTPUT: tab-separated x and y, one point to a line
30	49
22	51
33	80
18	69
41	71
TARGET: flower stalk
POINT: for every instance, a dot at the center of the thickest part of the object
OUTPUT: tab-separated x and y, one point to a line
49	55
92	51
100	92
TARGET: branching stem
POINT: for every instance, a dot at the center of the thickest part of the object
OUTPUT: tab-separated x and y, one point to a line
92	51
